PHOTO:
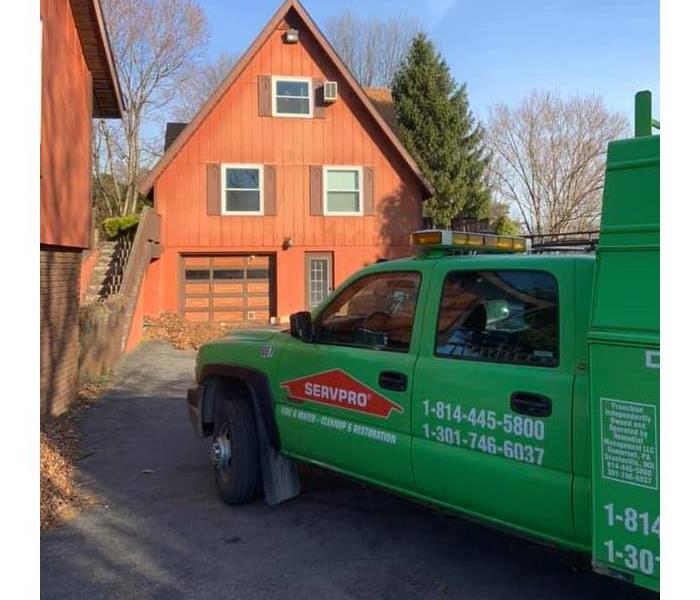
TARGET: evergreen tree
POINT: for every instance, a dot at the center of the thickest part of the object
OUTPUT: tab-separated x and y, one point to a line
439	130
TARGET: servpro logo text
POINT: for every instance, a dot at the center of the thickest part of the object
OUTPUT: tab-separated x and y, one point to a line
337	388
340	395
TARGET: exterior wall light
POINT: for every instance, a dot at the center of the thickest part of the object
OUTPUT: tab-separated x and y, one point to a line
287	243
291	36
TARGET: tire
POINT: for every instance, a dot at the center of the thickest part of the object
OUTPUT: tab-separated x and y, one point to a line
237	465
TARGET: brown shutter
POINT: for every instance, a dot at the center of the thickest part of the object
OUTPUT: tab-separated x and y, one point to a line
264	95
368	190
315	190
213	189
319	104
270	190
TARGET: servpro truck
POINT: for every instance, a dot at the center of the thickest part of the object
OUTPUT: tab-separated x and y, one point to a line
513	387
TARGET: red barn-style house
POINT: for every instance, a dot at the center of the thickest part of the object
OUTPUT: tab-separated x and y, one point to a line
287	181
78	82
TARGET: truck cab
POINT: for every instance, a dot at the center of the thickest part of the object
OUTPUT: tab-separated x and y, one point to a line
453	378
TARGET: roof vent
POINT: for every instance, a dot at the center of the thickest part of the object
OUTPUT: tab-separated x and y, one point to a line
330	91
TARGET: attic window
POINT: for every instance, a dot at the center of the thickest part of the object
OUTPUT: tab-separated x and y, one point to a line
291	97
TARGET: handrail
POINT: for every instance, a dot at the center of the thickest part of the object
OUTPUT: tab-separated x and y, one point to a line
145	247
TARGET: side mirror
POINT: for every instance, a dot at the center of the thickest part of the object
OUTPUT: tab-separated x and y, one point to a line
301	326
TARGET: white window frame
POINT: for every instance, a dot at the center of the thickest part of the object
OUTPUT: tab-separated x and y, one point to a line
273	91
261	180
359	170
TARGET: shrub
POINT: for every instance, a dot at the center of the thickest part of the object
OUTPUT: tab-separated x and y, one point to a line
113	227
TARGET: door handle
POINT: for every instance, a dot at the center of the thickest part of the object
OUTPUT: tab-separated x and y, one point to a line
391	380
533	405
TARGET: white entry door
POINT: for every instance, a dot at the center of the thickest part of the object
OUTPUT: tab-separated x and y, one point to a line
319	277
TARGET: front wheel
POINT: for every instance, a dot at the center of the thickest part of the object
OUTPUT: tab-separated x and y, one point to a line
235	451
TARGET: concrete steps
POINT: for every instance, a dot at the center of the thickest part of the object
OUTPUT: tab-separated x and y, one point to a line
107	273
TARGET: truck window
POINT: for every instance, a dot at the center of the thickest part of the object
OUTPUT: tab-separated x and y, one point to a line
376	311
499	316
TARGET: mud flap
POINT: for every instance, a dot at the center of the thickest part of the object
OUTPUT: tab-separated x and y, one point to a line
194	409
279	472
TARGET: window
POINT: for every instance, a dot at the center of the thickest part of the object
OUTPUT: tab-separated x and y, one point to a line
342	191
242	190
196	274
376	311
499	316
228	274
291	97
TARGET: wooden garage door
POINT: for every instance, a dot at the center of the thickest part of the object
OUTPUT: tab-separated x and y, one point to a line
226	288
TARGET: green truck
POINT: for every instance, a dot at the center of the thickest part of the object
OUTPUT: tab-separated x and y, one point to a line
520	389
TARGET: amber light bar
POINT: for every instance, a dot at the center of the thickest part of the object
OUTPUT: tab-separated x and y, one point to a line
460	240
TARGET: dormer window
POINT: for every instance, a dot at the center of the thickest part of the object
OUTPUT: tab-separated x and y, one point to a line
291	97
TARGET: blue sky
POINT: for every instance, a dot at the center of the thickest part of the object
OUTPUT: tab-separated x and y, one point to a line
501	48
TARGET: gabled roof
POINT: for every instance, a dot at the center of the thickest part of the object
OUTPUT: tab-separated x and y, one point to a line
146	185
94	40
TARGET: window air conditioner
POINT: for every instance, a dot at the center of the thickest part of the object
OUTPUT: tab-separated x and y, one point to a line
330	91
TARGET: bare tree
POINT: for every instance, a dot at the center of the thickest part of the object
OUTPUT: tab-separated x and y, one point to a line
155	43
200	84
372	49
548	159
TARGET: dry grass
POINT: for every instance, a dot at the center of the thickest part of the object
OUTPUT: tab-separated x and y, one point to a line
182	334
61	497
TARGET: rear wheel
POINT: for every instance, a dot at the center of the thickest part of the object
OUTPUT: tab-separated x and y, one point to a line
235	450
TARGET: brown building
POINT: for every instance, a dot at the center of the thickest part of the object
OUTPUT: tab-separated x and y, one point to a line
78	82
287	181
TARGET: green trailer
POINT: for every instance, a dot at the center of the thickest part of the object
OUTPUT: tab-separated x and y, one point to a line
625	361
519	389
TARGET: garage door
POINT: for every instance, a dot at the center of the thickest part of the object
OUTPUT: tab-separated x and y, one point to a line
226	288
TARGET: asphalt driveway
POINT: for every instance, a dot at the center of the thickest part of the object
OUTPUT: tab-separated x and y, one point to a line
160	530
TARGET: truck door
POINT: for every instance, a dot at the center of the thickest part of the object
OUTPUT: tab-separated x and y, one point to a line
492	395
344	399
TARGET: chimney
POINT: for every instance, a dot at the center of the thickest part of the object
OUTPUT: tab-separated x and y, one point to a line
172	130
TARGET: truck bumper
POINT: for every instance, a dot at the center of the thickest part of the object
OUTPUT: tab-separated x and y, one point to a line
194	408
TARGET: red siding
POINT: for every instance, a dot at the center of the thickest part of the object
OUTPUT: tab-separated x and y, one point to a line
87	265
66	113
235	133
